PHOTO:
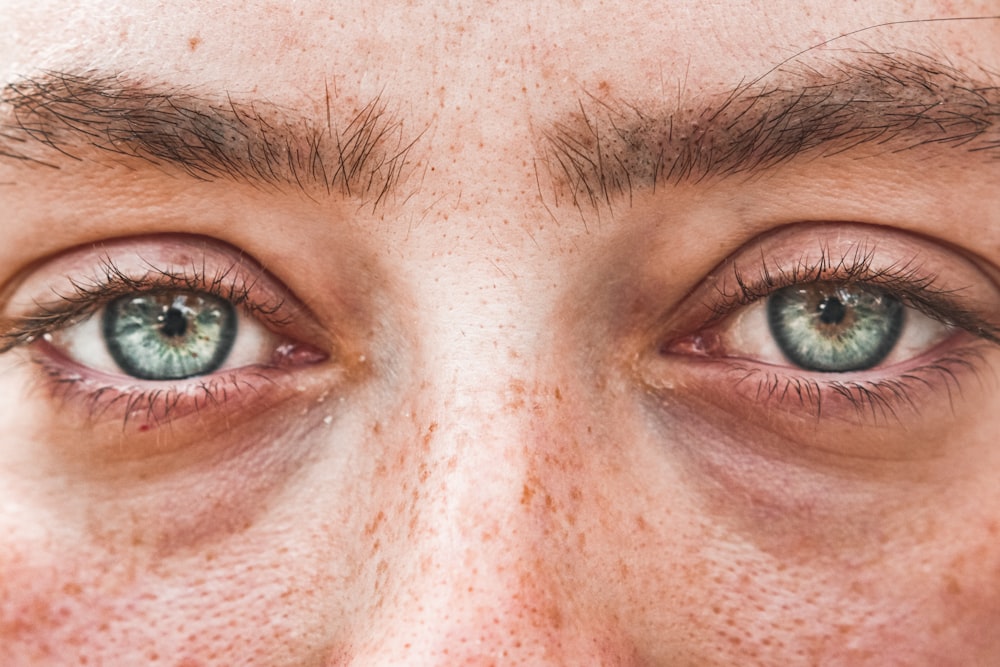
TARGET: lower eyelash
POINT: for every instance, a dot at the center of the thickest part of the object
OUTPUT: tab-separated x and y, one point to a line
874	401
153	407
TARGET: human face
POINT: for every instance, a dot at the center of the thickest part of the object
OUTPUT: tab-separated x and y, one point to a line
505	385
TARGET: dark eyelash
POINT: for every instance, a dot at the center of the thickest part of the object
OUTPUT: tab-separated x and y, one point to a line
154	406
906	281
87	297
881	399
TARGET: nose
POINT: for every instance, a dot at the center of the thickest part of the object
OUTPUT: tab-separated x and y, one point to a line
481	557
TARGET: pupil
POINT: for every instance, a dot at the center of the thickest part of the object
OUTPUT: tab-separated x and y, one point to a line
832	311
174	323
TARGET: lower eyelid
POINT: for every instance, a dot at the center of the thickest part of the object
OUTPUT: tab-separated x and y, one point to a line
124	420
920	386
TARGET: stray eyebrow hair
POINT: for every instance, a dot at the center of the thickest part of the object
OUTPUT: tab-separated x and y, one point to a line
877	100
249	142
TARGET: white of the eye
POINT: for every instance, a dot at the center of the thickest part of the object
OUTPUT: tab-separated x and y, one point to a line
84	343
748	335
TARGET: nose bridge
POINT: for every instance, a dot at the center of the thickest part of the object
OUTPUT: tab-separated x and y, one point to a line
470	575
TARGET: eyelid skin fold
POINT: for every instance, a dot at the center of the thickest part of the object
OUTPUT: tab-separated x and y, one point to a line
72	286
941	283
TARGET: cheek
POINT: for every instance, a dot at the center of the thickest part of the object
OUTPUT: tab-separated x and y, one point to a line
92	606
213	564
720	558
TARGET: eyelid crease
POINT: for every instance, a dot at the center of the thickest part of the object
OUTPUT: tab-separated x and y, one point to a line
87	297
907	281
66	289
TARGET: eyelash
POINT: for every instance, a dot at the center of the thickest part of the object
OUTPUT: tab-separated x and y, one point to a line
87	298
906	282
880	398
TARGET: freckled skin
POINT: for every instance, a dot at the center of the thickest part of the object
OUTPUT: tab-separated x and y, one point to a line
495	466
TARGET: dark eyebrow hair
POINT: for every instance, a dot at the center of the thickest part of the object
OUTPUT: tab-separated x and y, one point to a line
208	139
881	101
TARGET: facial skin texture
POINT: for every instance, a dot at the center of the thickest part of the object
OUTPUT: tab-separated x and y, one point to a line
516	449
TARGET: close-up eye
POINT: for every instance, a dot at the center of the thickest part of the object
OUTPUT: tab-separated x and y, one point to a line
840	319
155	329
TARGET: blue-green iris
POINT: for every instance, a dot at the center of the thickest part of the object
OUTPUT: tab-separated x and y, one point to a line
169	336
835	328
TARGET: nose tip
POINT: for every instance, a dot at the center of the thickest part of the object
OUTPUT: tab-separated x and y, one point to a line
488	618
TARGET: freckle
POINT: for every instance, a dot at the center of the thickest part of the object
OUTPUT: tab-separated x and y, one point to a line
526	493
427	436
194	42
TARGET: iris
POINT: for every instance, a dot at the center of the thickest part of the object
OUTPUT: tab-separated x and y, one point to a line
835	328
169	336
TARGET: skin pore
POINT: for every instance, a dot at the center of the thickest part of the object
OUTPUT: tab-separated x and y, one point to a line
502	389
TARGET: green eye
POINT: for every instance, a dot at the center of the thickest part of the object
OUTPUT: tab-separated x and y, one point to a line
835	328
169	336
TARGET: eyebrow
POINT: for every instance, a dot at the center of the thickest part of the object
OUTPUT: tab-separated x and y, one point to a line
208	139
880	101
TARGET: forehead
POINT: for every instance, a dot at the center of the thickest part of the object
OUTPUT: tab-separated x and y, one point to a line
431	54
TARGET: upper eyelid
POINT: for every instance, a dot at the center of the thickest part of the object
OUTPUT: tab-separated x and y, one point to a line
939	281
68	290
918	292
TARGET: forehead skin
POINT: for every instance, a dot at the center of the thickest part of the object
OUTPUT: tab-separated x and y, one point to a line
481	503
